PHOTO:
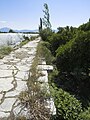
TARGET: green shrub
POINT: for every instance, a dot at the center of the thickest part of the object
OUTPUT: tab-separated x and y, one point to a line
86	114
68	107
75	55
45	33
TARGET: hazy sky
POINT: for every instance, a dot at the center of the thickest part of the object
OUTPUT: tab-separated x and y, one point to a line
25	14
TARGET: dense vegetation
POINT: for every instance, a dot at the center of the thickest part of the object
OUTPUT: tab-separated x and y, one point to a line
70	48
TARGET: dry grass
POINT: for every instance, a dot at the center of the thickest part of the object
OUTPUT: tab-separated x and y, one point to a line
35	97
5	50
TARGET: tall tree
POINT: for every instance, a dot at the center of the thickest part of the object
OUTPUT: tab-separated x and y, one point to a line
46	19
40	26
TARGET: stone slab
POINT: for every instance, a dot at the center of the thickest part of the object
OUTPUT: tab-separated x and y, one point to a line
3	114
21	85
6	84
7	104
5	73
22	75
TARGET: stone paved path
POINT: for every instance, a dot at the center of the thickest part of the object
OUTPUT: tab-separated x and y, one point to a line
14	71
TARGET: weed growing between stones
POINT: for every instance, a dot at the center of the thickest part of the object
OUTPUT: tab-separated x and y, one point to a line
35	98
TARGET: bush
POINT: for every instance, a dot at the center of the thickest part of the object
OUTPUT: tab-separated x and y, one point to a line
75	55
56	40
86	114
45	34
68	107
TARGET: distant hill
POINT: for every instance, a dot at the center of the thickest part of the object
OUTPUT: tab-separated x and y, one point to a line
6	29
26	30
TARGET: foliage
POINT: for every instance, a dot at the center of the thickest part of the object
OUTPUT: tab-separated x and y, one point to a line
71	47
25	41
45	33
56	40
46	19
68	107
11	31
85	115
44	52
33	37
73	63
67	32
40	26
75	55
85	27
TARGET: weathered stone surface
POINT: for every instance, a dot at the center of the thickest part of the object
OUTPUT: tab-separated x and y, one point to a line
28	60
1	96
6	84
20	110
22	75
21	85
5	73
44	77
14	93
12	68
1	62
5	67
45	67
21	67
52	106
6	106
3	114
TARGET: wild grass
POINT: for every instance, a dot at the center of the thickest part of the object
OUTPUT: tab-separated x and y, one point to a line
5	50
35	98
26	40
44	52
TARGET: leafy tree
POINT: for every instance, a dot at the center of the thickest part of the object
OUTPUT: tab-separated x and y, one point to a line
11	31
46	19
46	32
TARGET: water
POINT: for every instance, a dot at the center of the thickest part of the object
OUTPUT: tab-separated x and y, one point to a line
13	38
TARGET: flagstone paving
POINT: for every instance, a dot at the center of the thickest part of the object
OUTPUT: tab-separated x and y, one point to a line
14	73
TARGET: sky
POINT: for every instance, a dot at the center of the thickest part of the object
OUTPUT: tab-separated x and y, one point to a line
25	14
